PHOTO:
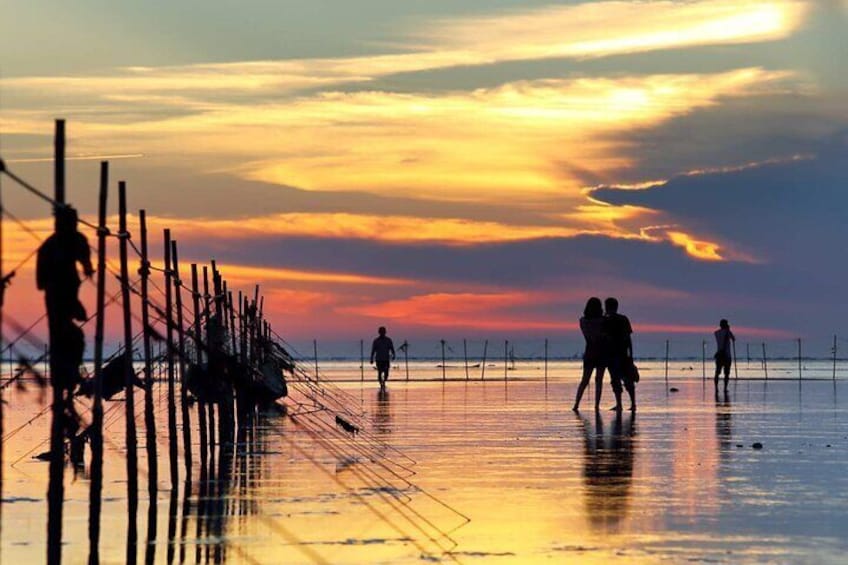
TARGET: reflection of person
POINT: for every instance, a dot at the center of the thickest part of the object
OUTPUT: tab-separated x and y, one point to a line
619	353
383	352
591	324
382	413
724	351
608	471
724	424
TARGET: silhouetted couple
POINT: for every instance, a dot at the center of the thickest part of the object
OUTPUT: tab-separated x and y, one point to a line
608	346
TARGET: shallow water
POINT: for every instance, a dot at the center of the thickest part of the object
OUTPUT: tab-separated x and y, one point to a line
474	471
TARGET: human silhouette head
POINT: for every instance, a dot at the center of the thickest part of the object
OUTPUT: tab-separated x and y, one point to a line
66	219
724	324
593	309
382	331
611	305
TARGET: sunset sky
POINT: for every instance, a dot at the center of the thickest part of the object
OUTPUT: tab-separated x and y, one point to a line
452	169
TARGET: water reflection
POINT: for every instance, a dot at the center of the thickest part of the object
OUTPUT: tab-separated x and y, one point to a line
723	425
608	470
383	413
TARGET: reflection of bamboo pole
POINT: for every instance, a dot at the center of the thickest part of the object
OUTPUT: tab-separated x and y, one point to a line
149	423
96	437
483	365
129	378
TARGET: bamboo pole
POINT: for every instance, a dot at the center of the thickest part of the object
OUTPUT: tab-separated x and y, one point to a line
149	422
765	361
800	374
362	360
96	468
483	365
207	310
834	358
315	349
169	349
465	355
444	373
186	417
546	360
129	378
666	363
506	346
703	360
406	358
198	348
56	488
735	362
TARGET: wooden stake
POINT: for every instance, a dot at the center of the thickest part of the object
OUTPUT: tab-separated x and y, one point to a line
765	362
834	358
169	338
443	360
198	348
56	487
129	378
149	422
465	355
96	468
178	295
506	353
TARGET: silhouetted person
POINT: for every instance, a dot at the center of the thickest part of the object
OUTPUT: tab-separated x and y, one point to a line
608	471
383	352
724	351
619	352
56	274
592	326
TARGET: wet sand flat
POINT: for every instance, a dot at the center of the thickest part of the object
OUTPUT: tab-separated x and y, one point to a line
477	471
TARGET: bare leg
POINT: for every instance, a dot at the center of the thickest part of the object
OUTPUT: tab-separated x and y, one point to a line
581	388
631	391
599	387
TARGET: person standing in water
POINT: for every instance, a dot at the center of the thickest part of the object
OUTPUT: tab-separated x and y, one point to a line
619	349
724	351
592	324
383	352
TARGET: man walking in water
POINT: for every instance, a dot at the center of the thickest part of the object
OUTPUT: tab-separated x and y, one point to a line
724	351
383	352
619	353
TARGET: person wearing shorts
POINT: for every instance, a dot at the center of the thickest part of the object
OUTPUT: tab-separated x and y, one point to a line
619	352
724	351
382	353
